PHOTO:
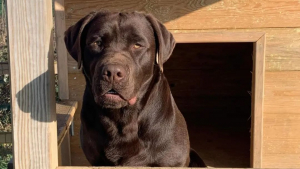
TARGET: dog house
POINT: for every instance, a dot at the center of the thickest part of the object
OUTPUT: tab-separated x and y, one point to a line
234	74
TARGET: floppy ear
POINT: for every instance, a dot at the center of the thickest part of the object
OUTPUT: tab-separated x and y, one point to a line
73	37
165	41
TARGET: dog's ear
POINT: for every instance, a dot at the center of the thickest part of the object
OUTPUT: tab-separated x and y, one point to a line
165	42
73	37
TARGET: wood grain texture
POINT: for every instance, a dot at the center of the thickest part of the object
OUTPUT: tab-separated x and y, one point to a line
217	37
257	101
281	120
199	14
60	28
30	25
282	48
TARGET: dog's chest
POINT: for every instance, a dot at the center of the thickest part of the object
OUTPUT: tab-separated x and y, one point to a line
123	141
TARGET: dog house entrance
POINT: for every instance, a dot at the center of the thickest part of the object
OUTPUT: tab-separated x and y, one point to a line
212	84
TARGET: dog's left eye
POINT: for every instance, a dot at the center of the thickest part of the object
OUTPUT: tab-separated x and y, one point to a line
98	43
136	46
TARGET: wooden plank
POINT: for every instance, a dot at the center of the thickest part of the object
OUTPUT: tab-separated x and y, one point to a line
30	25
282	161
282	146
204	14
282	48
65	111
63	87
217	37
257	102
281	120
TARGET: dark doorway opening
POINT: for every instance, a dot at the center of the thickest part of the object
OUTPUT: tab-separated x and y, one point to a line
211	84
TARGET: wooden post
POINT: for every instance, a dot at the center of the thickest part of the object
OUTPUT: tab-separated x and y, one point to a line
62	54
30	26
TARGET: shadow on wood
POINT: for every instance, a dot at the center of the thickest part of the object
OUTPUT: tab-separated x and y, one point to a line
164	10
38	96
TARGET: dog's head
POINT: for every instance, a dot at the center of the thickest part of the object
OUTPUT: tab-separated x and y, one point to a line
119	52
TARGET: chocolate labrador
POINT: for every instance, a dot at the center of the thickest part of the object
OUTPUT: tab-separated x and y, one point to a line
128	116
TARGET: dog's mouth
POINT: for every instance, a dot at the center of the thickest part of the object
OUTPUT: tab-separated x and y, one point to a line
113	92
113	96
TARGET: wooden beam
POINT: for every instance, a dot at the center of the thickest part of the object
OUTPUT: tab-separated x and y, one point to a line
257	102
214	37
62	57
30	25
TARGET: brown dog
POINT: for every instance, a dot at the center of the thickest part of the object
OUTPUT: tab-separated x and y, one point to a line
129	117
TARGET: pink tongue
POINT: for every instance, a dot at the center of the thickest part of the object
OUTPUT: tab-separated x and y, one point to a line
132	101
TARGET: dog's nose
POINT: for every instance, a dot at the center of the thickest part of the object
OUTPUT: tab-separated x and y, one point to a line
114	73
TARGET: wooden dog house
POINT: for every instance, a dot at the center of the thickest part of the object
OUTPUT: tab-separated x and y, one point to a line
234	74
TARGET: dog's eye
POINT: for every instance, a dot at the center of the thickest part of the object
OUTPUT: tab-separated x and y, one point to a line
98	43
136	46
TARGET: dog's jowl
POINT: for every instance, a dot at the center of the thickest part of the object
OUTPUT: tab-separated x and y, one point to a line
128	117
